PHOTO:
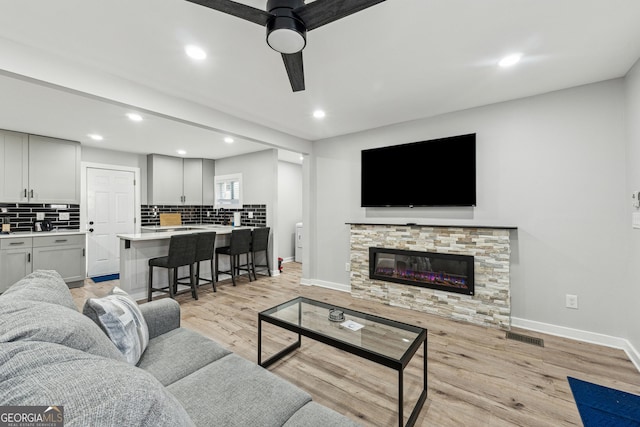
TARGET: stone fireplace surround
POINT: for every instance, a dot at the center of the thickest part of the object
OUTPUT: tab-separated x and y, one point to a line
490	246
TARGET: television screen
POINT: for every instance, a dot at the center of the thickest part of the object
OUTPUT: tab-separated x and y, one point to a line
438	172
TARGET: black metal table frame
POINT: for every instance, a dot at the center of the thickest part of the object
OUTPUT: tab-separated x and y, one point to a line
398	365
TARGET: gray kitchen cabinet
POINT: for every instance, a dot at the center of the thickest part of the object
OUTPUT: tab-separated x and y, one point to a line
14	160
38	169
63	253
15	260
178	181
164	183
208	178
192	181
20	256
54	170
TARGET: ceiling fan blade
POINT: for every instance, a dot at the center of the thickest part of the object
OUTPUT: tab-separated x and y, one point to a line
239	10
295	70
322	12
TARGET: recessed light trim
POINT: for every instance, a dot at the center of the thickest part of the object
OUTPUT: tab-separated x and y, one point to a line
95	136
319	114
228	140
195	52
181	152
134	117
510	60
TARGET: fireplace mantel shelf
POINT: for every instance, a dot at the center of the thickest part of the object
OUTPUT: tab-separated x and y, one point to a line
495	227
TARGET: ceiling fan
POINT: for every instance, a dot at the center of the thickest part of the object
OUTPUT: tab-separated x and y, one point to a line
287	23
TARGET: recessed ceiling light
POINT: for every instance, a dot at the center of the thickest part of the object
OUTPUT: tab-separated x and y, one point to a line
301	158
95	137
510	60
134	117
195	52
181	152
228	140
319	114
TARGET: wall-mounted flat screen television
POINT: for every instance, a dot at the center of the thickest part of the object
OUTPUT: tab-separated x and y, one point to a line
438	172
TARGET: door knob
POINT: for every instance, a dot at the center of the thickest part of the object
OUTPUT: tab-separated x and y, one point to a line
91	230
90	222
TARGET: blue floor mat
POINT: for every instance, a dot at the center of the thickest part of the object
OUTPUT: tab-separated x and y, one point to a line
605	407
98	279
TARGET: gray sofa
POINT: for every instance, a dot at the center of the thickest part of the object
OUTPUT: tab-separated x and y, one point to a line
51	354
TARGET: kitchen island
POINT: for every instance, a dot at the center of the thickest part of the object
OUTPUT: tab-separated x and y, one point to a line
136	250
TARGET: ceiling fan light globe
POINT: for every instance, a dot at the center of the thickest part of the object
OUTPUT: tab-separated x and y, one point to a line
286	41
286	34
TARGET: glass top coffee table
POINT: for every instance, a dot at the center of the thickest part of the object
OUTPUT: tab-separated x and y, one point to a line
374	338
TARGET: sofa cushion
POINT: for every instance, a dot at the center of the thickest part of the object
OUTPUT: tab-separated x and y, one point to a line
315	415
235	392
44	286
178	353
119	317
94	391
24	320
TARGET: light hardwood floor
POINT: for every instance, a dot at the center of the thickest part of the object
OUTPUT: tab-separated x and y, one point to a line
476	377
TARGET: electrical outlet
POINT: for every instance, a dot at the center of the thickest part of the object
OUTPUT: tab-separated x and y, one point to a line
572	301
39	216
250	214
64	216
347	266
208	214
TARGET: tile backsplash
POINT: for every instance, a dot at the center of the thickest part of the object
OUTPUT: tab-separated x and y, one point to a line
21	216
192	214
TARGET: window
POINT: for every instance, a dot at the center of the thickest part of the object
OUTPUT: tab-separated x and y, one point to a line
228	190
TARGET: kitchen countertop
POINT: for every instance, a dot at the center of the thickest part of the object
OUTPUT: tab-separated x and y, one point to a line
42	233
161	234
182	227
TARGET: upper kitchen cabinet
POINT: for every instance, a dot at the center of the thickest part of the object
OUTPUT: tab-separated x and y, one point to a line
39	169
54	170
14	159
178	181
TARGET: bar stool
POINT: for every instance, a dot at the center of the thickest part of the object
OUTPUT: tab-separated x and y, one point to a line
182	252
204	252
240	244
260	243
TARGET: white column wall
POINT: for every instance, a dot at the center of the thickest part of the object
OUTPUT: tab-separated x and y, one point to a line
289	206
633	184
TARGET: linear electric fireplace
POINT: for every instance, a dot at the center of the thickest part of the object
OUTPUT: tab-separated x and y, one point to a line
446	272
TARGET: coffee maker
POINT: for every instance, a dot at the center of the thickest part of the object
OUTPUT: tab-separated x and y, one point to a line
44	225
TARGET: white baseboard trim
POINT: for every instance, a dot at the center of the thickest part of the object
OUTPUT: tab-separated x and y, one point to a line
325	284
288	259
580	335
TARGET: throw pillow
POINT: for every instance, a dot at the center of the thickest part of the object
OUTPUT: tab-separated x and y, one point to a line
120	318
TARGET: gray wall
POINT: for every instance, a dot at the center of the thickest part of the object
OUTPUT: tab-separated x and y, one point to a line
289	206
633	184
552	165
260	186
259	175
119	158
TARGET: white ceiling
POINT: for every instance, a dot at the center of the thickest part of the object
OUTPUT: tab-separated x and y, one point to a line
73	67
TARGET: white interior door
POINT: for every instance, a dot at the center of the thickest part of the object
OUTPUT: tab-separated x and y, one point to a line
110	211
